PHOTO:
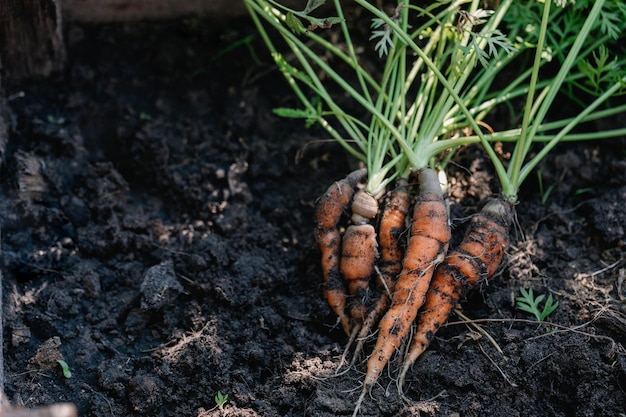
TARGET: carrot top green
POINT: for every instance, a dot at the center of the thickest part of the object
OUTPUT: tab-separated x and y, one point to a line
426	88
438	66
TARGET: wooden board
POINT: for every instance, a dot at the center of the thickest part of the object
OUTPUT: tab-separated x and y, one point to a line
31	40
123	10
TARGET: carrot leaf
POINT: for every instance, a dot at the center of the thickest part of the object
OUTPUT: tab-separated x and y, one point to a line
221	399
531	304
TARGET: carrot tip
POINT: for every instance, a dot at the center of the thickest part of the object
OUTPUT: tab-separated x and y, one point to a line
357	406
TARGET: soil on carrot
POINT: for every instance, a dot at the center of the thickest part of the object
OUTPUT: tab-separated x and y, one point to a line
157	236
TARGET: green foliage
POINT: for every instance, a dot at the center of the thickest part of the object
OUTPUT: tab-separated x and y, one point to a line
311	116
575	38
612	19
495	42
397	117
382	32
380	29
529	303
429	85
601	71
292	18
221	399
65	368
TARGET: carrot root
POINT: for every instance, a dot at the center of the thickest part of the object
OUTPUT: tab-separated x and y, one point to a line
421	280
390	230
477	258
355	331
428	242
330	208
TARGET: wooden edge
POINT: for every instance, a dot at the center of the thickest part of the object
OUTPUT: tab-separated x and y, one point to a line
127	10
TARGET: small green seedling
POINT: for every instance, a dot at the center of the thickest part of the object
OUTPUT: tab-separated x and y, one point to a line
584	190
55	120
220	400
65	367
143	116
529	303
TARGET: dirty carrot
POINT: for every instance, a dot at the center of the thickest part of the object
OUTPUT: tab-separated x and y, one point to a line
328	215
390	230
358	256
476	259
428	243
392	226
359	252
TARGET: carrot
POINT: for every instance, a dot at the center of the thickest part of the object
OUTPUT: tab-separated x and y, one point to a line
390	229
428	243
330	208
358	256
392	226
476	259
328	215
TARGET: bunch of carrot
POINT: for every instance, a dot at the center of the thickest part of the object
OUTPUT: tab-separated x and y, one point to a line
422	280
408	269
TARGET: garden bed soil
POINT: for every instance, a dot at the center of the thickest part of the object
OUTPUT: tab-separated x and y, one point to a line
157	236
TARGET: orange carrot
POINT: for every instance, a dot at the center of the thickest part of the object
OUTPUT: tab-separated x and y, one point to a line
428	243
476	259
358	256
328	215
359	252
392	226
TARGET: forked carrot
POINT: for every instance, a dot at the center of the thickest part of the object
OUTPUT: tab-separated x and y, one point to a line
390	230
359	253
328	215
476	259
428	243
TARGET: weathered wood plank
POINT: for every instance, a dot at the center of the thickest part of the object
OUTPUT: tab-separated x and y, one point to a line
31	40
123	10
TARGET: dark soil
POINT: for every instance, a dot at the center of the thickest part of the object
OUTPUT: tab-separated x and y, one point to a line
157	236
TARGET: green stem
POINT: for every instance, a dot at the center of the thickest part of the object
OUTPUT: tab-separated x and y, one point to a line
511	183
571	125
537	107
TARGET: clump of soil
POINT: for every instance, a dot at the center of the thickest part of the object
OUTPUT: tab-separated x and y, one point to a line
157	236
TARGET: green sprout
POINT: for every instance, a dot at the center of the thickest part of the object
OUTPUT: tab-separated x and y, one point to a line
55	120
65	368
529	303
221	399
